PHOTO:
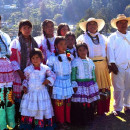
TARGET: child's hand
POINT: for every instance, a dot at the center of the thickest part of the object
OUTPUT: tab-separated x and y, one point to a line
46	82
21	74
25	90
75	89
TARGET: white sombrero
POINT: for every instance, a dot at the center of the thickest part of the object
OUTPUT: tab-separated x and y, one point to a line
100	23
119	18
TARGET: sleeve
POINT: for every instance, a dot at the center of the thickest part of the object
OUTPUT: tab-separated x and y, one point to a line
15	55
50	62
110	50
7	40
25	81
73	74
93	72
50	76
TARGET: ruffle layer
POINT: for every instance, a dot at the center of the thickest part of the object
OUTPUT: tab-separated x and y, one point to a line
36	104
6	77
62	89
87	94
5	66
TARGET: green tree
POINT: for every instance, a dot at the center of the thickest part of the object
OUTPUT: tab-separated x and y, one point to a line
58	18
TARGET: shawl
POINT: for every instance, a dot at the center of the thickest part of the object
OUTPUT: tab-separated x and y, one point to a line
24	50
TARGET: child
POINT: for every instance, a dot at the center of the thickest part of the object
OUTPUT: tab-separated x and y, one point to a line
7	107
36	104
71	43
62	89
46	41
83	76
20	49
63	28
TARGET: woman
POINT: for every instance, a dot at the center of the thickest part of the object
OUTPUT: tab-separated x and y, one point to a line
97	52
20	50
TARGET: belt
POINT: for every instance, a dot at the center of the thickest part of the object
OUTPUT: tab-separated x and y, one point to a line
97	60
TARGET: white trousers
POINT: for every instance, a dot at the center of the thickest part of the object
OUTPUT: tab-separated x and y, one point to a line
121	84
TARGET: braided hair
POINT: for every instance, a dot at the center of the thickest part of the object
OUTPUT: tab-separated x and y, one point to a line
44	24
73	35
60	26
57	40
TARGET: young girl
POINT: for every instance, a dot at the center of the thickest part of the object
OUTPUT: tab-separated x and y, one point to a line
63	28
83	76
7	107
20	49
46	41
71	43
62	89
36	105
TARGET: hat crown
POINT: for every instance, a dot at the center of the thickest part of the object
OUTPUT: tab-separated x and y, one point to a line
121	16
91	19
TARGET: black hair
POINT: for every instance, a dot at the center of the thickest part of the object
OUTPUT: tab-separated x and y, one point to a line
82	44
22	23
73	35
87	25
38	52
57	40
44	23
60	26
89	34
0	17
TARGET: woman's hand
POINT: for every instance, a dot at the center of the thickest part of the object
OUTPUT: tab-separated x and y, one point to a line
46	82
21	74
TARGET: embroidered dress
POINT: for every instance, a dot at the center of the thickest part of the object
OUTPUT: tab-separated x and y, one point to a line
83	77
15	58
7	107
97	52
36	103
42	43
62	88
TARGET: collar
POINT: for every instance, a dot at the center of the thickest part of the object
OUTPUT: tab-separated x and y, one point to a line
93	34
36	68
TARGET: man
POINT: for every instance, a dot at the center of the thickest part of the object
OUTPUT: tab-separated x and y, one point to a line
118	51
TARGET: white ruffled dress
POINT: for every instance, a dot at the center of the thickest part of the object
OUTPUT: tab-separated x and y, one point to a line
62	88
36	103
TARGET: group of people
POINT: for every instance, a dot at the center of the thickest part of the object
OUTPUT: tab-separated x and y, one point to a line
53	81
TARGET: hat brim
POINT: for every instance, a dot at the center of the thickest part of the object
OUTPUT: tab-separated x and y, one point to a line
100	23
114	21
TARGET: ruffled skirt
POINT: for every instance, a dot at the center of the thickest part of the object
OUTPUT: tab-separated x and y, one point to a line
87	92
62	89
37	104
6	71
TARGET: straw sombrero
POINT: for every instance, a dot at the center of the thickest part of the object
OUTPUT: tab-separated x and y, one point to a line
100	23
119	18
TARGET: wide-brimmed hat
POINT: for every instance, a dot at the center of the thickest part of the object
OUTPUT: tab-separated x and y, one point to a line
100	23
119	18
